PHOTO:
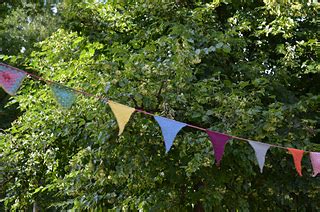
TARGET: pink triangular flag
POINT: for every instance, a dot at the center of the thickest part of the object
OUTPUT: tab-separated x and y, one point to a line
10	79
218	141
315	161
297	157
261	150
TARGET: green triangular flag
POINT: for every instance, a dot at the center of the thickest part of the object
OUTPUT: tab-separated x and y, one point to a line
64	95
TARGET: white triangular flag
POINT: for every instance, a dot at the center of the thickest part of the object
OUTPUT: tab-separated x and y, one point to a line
261	151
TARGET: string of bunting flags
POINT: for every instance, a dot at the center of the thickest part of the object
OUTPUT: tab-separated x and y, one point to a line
11	79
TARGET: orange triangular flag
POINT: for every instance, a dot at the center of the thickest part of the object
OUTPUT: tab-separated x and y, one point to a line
297	157
122	114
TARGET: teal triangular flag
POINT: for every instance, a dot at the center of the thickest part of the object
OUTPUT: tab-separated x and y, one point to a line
64	95
170	129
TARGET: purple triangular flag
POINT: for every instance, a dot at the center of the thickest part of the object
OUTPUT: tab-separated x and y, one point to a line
170	129
261	151
218	141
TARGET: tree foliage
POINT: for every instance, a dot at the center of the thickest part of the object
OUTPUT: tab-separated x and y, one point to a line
247	69
22	25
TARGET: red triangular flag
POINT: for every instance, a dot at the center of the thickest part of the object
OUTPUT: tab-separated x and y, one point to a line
297	157
218	141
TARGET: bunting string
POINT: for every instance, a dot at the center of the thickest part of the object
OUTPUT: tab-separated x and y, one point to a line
36	77
205	130
11	79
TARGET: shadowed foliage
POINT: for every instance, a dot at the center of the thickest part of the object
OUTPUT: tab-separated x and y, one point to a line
249	69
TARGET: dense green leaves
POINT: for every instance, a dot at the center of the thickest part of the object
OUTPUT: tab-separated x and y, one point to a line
246	69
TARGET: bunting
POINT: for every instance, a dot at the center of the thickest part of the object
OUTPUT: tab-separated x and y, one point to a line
315	161
122	114
170	129
218	141
10	79
297	157
64	95
260	150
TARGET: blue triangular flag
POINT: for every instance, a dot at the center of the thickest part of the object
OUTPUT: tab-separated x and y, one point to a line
170	129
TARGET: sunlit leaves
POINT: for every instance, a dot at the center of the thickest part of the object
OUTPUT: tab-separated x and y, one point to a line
250	72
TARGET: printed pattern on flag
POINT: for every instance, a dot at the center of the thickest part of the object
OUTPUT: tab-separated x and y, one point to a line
64	95
11	79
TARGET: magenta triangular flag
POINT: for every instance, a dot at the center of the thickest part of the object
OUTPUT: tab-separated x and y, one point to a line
218	141
10	79
261	150
315	161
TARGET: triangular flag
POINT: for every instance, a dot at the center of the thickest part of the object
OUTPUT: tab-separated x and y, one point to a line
297	157
170	129
122	114
10	79
315	161
218	141
64	95
261	150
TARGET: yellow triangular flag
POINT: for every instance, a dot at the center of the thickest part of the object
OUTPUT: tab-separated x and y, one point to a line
122	114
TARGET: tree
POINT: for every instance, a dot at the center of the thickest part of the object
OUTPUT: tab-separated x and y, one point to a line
23	24
247	69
